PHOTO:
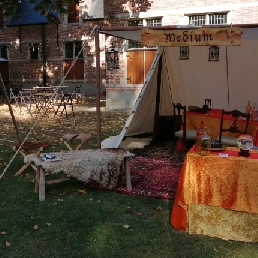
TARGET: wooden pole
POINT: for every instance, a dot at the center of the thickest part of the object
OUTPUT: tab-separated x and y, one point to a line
11	110
97	51
156	115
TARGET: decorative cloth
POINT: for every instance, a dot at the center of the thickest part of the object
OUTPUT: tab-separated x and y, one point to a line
101	165
215	191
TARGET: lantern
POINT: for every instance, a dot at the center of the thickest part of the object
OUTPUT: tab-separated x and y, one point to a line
112	58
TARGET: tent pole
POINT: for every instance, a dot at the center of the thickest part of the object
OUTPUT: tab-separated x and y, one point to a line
11	110
97	51
156	115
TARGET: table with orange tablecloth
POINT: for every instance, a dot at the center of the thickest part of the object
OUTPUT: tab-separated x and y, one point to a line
218	196
212	121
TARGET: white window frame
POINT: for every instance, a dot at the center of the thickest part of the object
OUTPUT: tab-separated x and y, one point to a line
207	18
145	22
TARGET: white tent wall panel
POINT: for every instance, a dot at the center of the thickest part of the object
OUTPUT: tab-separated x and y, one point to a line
243	74
194	80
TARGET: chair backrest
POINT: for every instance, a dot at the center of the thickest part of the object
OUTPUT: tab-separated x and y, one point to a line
13	96
180	118
238	117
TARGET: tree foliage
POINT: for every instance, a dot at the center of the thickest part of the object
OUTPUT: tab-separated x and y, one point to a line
45	7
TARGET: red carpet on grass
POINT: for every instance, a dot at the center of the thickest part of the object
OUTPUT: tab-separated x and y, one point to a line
153	177
154	173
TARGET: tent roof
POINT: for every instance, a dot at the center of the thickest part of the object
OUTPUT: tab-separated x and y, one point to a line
26	15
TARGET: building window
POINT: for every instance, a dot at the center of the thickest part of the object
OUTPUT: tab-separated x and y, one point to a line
154	22
218	18
34	51
74	63
73	13
209	18
197	20
135	22
142	22
3	52
73	49
131	43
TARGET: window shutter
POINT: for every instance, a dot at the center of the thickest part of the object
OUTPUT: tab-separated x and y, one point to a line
73	13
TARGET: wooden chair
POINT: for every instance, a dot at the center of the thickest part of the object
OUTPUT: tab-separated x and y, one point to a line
77	140
239	126
76	94
182	135
65	101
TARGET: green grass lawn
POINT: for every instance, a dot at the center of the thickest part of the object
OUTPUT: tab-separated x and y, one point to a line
73	223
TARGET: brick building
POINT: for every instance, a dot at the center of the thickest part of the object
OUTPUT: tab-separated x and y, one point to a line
30	63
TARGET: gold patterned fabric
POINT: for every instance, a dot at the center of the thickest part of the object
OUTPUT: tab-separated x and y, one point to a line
229	183
223	223
212	121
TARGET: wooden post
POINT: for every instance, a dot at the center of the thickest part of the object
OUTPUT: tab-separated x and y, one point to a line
127	157
156	115
97	52
10	110
42	184
36	190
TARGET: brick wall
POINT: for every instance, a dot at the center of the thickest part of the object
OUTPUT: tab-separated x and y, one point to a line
25	71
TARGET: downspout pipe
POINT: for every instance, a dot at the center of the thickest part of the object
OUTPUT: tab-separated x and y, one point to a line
44	55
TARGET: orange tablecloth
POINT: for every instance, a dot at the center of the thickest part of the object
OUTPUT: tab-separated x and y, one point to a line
212	121
211	181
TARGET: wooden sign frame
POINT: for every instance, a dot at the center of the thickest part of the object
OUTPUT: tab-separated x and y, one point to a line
192	37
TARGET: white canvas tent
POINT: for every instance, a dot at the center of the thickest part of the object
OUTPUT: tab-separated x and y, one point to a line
229	82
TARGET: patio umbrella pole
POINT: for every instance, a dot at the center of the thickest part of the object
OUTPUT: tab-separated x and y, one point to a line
11	110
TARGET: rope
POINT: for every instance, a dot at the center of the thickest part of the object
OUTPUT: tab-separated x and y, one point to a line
45	108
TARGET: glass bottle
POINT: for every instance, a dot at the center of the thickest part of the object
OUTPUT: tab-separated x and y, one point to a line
205	141
254	112
198	144
248	108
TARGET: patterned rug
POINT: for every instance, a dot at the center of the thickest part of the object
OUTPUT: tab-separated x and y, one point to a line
154	172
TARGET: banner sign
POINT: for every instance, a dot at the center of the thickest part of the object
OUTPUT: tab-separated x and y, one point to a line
192	37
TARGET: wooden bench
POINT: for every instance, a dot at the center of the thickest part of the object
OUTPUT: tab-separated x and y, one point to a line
40	180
